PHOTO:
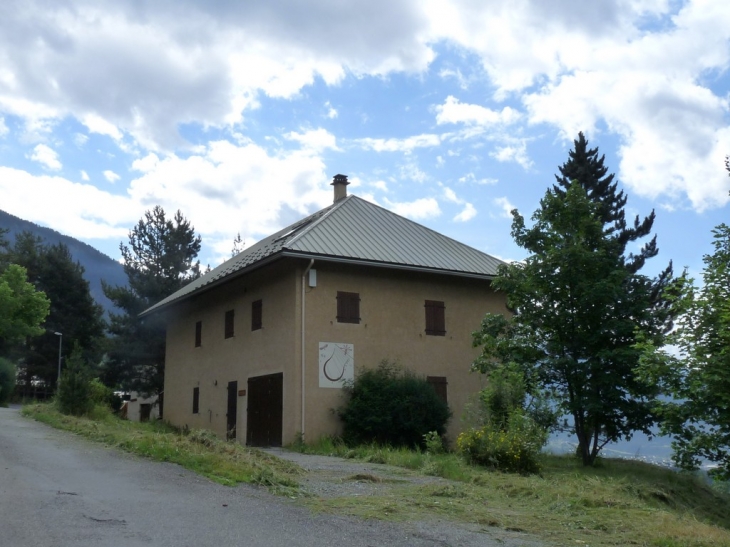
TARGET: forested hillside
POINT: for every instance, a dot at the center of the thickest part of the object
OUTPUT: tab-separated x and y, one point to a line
97	265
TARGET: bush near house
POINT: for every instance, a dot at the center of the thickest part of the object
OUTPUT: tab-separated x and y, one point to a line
390	405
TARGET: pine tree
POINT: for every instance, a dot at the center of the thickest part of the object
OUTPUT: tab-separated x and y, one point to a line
73	311
587	168
579	306
159	260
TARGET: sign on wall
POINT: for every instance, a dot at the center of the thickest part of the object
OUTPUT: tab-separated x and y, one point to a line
336	364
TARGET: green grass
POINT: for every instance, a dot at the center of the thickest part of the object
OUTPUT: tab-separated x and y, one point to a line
224	462
617	502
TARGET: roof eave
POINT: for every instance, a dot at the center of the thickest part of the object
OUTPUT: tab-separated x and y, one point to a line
389	265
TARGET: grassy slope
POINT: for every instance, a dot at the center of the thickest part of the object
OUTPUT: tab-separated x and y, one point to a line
616	503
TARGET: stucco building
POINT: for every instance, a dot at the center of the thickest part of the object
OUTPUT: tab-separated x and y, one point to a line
258	348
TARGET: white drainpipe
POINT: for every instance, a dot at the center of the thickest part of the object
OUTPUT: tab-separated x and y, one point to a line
304	360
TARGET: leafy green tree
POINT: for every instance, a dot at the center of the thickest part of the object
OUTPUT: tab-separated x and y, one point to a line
22	307
578	306
73	311
697	374
159	260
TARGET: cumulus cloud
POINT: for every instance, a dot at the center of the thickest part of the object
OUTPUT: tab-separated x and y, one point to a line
505	207
467	213
84	176
406	145
515	152
316	140
419	209
47	157
453	111
111	176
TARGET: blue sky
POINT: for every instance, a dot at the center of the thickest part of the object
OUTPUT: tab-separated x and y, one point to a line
449	113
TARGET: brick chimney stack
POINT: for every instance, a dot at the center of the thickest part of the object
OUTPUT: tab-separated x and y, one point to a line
340	183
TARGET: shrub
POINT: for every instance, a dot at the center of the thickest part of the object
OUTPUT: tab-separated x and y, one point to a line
389	405
75	391
514	448
7	380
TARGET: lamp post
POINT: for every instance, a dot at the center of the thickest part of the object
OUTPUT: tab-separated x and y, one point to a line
60	339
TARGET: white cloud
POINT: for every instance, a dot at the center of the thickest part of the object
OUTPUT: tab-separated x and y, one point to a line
3	128
46	156
468	213
470	178
453	111
316	140
84	176
417	210
505	207
331	111
516	153
80	139
97	124
406	145
111	176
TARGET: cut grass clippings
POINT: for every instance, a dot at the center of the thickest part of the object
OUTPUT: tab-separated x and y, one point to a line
617	502
227	463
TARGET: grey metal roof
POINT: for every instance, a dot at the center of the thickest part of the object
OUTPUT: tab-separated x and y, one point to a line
352	230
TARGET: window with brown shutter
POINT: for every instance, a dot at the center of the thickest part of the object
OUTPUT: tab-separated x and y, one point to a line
256	315
196	400
435	318
348	307
198	334
229	324
439	384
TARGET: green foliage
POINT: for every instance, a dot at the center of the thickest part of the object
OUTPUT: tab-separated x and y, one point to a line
392	406
433	443
159	260
515	447
697	375
7	380
75	392
579	305
22	307
72	311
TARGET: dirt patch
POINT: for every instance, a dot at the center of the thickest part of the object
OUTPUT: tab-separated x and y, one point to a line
333	477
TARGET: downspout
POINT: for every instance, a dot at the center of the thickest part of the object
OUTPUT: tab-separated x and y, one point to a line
304	360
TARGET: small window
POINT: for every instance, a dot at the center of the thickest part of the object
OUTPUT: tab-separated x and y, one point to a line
256	315
198	334
435	318
196	400
229	324
348	307
439	384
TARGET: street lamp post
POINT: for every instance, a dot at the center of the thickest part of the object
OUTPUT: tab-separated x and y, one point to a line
60	339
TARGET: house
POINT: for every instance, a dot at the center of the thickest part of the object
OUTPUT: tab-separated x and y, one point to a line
258	348
141	409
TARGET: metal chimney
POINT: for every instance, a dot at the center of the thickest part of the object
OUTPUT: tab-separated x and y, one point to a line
340	183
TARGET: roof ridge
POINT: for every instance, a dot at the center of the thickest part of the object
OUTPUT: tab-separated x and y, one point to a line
314	224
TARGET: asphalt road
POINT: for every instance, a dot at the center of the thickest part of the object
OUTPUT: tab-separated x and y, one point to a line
59	490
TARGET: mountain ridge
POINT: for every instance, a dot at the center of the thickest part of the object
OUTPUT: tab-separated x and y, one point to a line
97	265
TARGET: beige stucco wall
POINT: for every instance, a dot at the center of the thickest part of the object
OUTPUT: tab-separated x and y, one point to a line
219	360
392	326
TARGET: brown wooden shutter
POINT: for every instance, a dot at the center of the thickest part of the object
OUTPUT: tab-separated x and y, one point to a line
435	318
439	384
229	324
348	307
256	315
196	400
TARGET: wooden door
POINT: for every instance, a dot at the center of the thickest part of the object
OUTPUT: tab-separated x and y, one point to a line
232	410
265	410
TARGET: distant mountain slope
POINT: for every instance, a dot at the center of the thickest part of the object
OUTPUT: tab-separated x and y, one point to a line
98	266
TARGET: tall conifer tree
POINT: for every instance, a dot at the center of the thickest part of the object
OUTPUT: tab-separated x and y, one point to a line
159	260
